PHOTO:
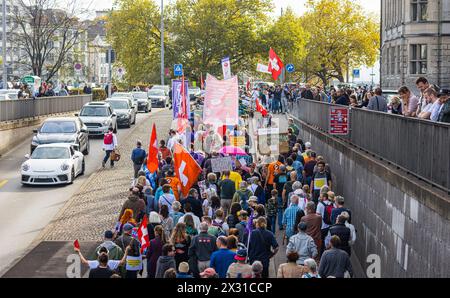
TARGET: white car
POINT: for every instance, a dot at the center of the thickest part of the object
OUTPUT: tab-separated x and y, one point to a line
53	164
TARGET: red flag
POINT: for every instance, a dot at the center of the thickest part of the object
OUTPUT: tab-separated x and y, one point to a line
143	234
152	159
76	244
275	64
186	168
260	108
201	81
248	85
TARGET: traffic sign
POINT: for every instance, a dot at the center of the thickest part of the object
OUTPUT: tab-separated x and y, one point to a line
339	121
290	68
356	73
178	70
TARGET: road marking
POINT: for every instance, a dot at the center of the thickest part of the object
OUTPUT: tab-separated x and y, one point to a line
2	183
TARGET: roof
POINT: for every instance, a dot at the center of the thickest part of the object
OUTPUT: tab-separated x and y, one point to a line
61	119
66	145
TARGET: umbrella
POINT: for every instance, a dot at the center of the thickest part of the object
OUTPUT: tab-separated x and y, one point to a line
232	150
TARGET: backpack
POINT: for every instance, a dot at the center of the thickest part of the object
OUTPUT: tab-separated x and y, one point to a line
108	139
327	213
220	228
243	199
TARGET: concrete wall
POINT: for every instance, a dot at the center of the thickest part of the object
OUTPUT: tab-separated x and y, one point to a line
402	220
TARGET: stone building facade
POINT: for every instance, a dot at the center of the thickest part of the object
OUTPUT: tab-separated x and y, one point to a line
415	39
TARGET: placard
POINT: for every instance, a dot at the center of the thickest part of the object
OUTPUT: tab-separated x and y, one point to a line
238	141
339	121
222	164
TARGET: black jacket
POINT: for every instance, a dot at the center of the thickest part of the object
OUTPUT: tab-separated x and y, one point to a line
202	247
195	204
343	100
344	234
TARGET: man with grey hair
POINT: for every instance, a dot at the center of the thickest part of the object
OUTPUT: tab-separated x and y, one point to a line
289	216
201	249
311	266
339	200
303	244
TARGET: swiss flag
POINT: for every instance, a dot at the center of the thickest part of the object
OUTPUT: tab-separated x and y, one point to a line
275	64
152	159
260	108
143	234
186	168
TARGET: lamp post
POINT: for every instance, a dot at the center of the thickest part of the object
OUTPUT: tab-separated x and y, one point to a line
5	70
162	42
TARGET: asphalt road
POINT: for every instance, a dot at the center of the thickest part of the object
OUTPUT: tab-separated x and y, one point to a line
26	211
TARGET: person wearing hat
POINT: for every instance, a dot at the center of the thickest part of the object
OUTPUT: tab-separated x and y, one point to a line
124	240
183	271
138	156
209	273
303	244
240	269
444	112
114	251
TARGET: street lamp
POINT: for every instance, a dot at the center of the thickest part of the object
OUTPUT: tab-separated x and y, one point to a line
162	42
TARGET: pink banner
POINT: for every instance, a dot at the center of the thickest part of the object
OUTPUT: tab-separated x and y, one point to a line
221	101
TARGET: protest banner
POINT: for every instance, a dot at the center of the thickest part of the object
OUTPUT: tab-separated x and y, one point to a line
226	68
238	141
283	143
221	105
268	141
222	164
176	98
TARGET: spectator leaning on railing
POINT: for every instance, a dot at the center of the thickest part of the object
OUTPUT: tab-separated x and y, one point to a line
377	102
444	113
410	102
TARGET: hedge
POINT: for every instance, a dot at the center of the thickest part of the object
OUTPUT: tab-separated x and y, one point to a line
98	94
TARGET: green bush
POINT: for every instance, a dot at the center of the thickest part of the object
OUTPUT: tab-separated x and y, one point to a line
99	94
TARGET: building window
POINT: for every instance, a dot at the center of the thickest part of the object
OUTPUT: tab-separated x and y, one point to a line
418	60
398	60
392	54
419	10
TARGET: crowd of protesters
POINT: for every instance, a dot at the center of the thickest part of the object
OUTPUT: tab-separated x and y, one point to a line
431	103
228	224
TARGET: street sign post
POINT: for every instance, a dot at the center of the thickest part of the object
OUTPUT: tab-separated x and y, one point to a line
339	121
356	73
178	70
290	68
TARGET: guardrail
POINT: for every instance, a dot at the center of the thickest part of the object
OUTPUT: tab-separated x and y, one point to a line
27	108
420	147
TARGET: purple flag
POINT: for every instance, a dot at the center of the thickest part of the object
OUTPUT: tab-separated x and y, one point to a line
176	98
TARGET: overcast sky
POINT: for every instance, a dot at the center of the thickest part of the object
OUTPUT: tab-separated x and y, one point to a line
372	6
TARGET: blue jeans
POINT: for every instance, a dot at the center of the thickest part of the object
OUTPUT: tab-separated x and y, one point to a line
107	156
272	222
280	212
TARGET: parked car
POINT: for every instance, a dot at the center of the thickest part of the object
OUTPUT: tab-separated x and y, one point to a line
194	93
143	102
98	116
12	93
62	130
158	98
126	115
53	164
4	96
166	88
127	95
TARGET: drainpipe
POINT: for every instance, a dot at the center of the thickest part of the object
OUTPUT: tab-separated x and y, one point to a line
439	60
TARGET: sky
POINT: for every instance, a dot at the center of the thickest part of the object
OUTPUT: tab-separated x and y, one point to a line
372	6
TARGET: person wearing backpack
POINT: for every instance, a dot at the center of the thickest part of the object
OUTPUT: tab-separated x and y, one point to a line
138	157
325	208
109	145
242	195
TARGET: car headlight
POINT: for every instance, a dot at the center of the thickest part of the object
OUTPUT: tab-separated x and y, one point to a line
25	167
106	122
64	167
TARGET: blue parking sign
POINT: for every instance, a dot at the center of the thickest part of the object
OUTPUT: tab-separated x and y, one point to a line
356	73
178	70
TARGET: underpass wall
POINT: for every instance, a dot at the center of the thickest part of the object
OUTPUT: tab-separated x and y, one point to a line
399	218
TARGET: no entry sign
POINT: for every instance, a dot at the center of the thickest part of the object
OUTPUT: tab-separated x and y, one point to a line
339	121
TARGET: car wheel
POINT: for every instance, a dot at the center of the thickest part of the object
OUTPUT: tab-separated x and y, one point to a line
88	145
83	168
72	176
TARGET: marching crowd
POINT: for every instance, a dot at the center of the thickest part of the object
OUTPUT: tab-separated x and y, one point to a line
226	226
432	104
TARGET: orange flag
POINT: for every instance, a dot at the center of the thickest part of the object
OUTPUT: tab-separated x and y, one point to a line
186	168
152	159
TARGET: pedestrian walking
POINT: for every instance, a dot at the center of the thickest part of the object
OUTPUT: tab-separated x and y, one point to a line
138	156
109	145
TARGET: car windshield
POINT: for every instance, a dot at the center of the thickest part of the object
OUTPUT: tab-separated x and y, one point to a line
140	95
121	94
91	111
156	93
119	105
51	153
59	127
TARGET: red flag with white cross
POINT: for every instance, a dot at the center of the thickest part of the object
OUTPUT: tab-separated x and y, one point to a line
143	234
275	64
186	168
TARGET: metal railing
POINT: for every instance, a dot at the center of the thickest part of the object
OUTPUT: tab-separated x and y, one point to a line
420	147
27	108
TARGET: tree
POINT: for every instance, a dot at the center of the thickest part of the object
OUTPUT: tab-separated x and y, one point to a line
133	31
288	38
205	31
342	36
47	31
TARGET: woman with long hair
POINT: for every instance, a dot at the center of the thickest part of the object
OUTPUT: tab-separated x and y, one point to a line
181	240
190	225
155	250
134	259
127	217
166	220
